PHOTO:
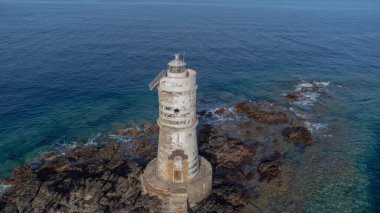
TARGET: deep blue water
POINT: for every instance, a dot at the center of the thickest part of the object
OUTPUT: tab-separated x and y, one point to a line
72	69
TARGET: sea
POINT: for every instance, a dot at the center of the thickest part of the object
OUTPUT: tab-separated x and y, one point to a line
71	70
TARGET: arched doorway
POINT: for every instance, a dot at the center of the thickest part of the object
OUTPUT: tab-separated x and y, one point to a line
178	172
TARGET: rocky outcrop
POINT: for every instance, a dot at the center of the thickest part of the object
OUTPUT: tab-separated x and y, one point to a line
86	179
220	111
206	132
269	167
228	157
305	91
246	151
298	134
262	112
227	152
151	129
294	96
130	132
226	197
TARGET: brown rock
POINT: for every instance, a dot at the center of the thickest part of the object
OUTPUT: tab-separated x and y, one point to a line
294	96
130	132
269	167
261	112
245	125
220	111
206	132
228	152
225	197
106	177
98	180
298	135
151	129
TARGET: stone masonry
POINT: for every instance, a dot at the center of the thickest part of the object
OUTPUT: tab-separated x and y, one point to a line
178	174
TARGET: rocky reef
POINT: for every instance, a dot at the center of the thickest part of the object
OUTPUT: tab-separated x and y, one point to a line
246	144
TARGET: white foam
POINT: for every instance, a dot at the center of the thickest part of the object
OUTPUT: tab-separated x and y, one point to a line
308	96
3	188
299	113
67	145
120	139
321	83
228	116
301	86
307	86
315	127
92	141
307	99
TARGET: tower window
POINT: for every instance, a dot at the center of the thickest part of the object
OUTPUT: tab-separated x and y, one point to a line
176	110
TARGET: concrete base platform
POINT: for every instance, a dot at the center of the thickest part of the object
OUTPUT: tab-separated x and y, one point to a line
198	189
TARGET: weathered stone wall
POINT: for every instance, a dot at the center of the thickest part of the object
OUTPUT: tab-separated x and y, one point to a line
177	101
200	187
181	139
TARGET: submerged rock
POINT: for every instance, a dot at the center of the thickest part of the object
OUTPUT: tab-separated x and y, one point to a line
298	134
262	112
269	167
220	111
202	112
307	91
294	96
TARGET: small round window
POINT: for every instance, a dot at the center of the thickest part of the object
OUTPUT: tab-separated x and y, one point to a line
176	110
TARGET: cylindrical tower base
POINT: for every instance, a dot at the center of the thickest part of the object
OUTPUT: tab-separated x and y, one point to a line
198	189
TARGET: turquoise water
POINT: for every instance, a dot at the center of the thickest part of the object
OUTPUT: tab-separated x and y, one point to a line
70	70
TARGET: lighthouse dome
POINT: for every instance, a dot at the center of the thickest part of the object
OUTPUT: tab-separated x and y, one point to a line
177	67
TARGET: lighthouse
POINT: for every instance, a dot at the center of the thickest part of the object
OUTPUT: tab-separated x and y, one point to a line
178	174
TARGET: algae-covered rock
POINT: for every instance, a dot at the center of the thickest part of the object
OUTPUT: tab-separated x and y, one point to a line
298	134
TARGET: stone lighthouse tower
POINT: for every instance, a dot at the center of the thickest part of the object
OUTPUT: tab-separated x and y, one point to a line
178	174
